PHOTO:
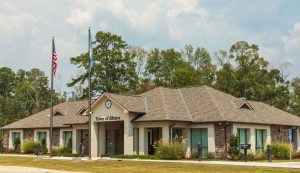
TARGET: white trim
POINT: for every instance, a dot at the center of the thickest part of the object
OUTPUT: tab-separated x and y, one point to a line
10	140
61	136
47	136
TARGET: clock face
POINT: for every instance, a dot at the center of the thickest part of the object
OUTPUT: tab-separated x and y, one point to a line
107	104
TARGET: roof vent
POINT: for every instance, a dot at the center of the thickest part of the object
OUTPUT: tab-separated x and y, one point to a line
244	104
57	113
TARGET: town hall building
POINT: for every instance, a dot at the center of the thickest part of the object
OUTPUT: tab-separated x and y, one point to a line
131	124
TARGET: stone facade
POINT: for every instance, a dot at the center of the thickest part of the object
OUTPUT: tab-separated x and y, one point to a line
85	140
6	138
220	136
28	134
55	137
280	133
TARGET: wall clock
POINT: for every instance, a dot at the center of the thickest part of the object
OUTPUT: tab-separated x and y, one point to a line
108	104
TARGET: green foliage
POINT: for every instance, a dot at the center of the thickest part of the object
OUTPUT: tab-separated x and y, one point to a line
280	150
170	150
69	144
17	144
234	147
211	155
244	73
114	66
23	93
65	152
43	146
30	147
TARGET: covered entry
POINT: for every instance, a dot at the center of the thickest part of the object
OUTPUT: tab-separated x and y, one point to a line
114	138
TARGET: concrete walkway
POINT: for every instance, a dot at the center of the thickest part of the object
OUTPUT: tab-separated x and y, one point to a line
18	169
291	165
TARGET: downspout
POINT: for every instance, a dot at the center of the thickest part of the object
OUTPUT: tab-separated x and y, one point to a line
170	131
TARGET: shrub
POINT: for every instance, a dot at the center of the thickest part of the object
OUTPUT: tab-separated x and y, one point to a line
65	152
17	144
69	144
211	155
43	146
30	147
234	147
170	150
280	150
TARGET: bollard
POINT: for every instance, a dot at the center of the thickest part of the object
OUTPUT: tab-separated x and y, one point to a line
199	151
269	154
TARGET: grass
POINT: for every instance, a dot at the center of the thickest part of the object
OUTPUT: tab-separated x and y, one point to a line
132	167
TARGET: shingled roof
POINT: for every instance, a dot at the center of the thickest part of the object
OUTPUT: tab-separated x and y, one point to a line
68	111
205	104
190	104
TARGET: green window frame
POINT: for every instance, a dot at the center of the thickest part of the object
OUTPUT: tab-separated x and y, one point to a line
67	135
41	136
199	136
259	140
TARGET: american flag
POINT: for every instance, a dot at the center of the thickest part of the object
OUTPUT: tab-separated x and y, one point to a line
54	56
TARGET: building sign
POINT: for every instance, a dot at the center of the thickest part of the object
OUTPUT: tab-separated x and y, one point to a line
108	118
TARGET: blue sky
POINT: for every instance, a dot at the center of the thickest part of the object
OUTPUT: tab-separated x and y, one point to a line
27	27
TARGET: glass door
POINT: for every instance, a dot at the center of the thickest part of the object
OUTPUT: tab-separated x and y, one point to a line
199	136
108	140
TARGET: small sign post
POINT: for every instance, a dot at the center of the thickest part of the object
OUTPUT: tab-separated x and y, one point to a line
245	147
290	139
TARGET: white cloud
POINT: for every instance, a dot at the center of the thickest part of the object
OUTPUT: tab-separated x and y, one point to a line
14	23
78	18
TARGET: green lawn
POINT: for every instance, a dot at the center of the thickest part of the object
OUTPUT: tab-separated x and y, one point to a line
132	167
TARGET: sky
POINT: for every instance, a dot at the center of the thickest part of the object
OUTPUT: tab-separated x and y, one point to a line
26	29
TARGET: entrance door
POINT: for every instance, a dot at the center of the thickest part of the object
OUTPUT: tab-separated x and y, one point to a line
199	136
109	144
114	138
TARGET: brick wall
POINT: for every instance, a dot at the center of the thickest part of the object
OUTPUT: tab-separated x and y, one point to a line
220	137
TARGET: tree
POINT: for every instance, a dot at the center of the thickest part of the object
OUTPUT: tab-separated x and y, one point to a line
201	61
161	66
114	66
295	96
250	76
7	81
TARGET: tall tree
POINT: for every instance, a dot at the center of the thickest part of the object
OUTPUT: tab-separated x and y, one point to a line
201	61
114	66
250	76
161	66
7	81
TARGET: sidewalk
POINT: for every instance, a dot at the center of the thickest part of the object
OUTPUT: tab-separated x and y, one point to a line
292	165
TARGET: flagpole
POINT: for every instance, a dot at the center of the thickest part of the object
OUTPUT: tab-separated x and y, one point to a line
51	109
90	113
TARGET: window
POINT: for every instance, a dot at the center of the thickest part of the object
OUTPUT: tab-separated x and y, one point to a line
41	136
67	137
199	136
243	134
259	140
176	132
16	139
